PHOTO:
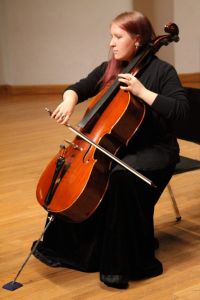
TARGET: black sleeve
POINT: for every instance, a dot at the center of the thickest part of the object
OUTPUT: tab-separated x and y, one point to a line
90	85
171	101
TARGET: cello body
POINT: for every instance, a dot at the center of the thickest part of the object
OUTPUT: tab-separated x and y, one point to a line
83	179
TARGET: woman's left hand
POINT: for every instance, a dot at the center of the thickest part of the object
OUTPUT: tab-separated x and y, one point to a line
132	84
135	87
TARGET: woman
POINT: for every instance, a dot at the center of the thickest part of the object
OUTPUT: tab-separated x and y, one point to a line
118	239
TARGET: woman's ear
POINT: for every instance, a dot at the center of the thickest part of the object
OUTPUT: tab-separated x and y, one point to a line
137	44
137	41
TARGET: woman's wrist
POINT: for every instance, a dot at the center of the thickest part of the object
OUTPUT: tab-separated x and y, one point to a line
148	96
70	94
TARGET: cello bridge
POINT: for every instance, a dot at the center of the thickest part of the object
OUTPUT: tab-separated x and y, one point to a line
75	146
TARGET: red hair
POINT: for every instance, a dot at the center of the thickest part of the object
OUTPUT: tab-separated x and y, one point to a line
135	23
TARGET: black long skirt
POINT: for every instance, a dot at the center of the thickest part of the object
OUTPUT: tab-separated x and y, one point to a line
118	239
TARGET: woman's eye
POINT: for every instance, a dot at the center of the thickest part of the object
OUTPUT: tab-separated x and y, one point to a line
116	36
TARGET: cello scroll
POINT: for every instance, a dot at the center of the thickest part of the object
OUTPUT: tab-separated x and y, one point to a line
165	40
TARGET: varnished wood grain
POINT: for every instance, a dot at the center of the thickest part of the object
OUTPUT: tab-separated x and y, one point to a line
28	140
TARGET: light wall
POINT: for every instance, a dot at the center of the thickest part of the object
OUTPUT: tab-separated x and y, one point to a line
184	55
160	13
2	31
187	52
55	41
59	41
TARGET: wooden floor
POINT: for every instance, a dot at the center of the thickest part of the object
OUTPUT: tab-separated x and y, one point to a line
29	139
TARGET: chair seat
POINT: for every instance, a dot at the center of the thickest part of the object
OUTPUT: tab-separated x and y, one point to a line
186	164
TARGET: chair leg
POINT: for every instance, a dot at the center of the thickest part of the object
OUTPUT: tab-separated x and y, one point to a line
174	204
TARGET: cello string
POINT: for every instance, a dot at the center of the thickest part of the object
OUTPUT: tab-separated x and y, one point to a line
113	157
106	152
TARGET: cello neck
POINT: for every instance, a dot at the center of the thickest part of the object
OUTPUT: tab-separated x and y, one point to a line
99	107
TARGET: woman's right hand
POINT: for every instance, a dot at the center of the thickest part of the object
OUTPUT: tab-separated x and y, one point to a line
65	109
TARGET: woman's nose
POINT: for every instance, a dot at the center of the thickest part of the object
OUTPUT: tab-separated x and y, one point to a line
112	43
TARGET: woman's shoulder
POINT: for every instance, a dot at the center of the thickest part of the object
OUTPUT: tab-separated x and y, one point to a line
160	63
98	71
101	67
162	68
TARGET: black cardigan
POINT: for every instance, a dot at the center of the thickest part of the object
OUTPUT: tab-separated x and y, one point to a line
154	144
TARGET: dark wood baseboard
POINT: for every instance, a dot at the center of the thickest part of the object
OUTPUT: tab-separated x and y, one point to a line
188	80
50	89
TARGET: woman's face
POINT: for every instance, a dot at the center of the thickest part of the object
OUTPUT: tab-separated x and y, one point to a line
122	43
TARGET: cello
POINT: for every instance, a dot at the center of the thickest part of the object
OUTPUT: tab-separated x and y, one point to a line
76	179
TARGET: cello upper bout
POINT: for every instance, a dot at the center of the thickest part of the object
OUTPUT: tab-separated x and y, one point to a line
96	98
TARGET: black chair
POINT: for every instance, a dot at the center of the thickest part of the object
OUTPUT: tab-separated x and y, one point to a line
188	130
